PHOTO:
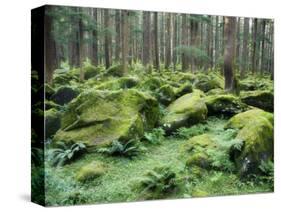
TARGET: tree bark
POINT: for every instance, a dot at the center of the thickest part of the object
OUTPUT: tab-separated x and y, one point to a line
146	38
254	41
125	40
81	43
107	39
95	37
229	51
118	35
245	48
156	47
184	42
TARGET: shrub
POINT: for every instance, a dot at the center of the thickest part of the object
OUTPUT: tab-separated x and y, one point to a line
158	182
65	154
155	136
187	133
129	149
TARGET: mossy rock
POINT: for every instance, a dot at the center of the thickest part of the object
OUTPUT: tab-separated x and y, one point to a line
64	94
52	122
216	91
151	84
206	82
260	99
184	111
184	89
115	70
90	71
199	193
49	91
64	77
99	117
242	119
166	94
256	132
226	104
195	151
51	104
91	171
117	84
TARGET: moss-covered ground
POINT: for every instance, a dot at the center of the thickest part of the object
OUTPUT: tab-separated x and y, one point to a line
119	183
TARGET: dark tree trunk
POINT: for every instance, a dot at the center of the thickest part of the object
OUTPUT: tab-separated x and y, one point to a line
254	41
81	44
168	41
263	47
156	47
125	40
95	38
50	47
245	48
146	38
118	35
229	51
107	39
184	42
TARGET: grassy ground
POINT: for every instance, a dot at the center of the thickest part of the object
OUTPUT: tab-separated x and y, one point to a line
123	174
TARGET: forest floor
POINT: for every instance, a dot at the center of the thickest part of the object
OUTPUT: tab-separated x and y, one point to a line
118	183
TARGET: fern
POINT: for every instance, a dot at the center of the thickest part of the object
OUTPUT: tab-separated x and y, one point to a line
158	182
187	133
267	169
129	149
155	136
65	154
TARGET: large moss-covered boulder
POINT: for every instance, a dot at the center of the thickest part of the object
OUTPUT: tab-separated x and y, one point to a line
151	84
52	122
260	99
195	151
99	117
115	70
117	84
166	94
64	94
206	82
184	89
226	104
90	71
256	132
184	111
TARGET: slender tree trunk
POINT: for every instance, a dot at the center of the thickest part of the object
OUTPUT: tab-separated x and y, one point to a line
125	40
95	38
168	41
245	48
229	51
81	44
157	63
50	47
146	38
118	35
237	51
217	41
106	39
254	41
263	46
184	42
175	37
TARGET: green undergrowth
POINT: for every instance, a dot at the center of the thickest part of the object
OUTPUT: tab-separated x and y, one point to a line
120	181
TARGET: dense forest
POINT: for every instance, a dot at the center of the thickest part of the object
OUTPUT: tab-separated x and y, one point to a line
152	105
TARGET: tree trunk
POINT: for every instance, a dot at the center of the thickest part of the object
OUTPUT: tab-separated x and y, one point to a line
95	38
175	37
184	42
81	44
217	50
118	35
229	51
245	48
263	46
146	38
168	41
254	41
125	40
106	39
156	47
50	47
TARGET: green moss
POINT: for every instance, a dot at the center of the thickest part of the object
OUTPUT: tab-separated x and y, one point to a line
90	71
195	151
260	99
165	94
51	104
226	104
184	89
64	77
91	171
242	119
52	122
199	193
184	111
215	91
150	84
99	117
206	82
256	131
117	84
115	70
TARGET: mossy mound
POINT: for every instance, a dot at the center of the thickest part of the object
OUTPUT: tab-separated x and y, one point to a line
115	71
65	94
206	82
256	132
226	104
99	117
184	111
151	84
242	119
166	94
51	104
216	91
260	99
52	122
63	77
195	151
120	83
91	171
91	71
184	89
256	83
